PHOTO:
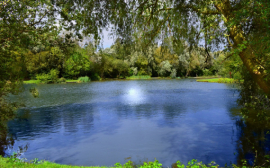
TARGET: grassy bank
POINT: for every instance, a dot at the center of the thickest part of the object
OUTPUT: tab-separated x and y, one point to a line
139	77
9	162
204	77
16	163
219	80
38	81
31	82
71	81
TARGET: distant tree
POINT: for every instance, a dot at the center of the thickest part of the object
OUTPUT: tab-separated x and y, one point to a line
241	25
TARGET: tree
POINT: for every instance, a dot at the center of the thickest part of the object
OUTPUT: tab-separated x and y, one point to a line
22	24
217	22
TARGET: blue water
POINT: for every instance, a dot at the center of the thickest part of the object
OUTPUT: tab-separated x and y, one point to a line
101	123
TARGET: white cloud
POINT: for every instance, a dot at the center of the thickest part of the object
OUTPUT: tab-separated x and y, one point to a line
107	40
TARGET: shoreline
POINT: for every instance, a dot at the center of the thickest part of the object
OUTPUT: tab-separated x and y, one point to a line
112	79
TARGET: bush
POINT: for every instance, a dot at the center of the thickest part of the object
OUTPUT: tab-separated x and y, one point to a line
95	76
173	73
207	72
226	80
62	80
237	76
51	77
142	72
84	79
43	78
53	74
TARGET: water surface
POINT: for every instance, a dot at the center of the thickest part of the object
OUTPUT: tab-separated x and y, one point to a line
101	123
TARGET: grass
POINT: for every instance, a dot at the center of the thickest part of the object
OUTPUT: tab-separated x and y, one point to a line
31	82
8	162
139	77
219	80
70	80
38	82
17	163
205	77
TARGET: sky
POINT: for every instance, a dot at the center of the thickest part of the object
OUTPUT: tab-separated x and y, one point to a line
107	40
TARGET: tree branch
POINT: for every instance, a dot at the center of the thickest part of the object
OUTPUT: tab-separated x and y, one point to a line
195	9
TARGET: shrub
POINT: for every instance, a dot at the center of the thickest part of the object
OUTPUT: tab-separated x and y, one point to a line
51	77
226	80
173	73
62	80
84	79
53	74
207	72
237	76
43	78
133	71
142	72
95	76
165	68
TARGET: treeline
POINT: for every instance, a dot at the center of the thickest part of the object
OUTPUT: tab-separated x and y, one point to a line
64	57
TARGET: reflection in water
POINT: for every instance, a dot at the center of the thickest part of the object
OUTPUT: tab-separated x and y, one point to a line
253	144
101	123
134	97
6	141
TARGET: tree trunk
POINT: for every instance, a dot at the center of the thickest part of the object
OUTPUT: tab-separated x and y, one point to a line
246	55
187	73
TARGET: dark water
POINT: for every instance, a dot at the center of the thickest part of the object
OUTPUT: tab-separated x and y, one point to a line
101	123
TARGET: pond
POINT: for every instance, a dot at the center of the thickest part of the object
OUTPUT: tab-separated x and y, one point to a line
101	123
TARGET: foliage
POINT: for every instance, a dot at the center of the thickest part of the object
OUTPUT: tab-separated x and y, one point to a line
164	67
207	72
129	164
237	76
84	79
62	80
219	80
13	160
44	61
133	71
226	80
243	26
43	78
7	112
6	162
77	64
106	65
255	103
173	73
95	77
51	77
